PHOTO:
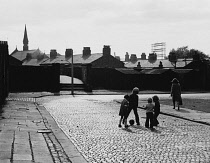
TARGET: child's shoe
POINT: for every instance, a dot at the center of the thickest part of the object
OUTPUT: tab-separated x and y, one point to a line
119	125
126	126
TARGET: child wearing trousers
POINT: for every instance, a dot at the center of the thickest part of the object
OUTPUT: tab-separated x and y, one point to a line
156	109
124	111
149	114
133	104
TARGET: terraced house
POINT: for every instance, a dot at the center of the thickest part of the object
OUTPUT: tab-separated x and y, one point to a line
102	70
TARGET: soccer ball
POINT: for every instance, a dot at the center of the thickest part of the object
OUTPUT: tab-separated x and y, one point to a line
131	122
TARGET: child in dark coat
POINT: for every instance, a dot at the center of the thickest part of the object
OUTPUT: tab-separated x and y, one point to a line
156	110
124	111
133	104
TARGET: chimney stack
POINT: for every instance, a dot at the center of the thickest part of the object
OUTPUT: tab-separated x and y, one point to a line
68	53
152	56
106	50
143	56
53	54
127	57
133	58
86	51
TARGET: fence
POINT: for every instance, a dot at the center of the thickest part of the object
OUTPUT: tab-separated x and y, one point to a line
110	78
3	71
34	78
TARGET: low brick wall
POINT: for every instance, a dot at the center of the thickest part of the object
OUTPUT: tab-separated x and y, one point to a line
34	78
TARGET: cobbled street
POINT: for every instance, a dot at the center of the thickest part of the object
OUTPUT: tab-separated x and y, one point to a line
91	123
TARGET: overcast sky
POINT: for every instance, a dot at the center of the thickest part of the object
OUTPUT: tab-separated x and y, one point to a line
126	25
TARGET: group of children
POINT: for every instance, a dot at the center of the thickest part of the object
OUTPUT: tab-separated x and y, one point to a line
152	111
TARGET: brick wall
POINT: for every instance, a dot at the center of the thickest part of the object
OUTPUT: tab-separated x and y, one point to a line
34	78
3	71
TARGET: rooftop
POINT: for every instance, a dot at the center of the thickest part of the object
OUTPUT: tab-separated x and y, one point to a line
165	62
77	58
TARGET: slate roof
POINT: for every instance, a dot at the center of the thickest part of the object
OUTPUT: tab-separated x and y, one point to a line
14	61
127	71
21	55
78	58
161	71
58	59
165	62
48	55
33	62
154	71
89	59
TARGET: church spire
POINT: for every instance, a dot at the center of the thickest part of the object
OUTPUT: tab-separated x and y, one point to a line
25	40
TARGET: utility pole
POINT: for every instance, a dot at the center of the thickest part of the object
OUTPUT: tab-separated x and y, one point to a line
72	76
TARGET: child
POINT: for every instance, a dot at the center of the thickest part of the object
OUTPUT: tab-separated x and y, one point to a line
156	110
133	104
149	114
124	111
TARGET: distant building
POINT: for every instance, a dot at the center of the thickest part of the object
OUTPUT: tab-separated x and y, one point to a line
97	60
158	63
152	62
28	57
25	40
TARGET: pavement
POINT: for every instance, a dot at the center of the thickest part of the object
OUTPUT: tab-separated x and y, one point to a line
29	133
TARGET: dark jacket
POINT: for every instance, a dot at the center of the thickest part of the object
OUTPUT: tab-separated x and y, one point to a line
124	107
176	91
133	100
157	107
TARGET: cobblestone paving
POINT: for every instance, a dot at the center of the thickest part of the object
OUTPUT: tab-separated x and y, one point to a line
92	125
